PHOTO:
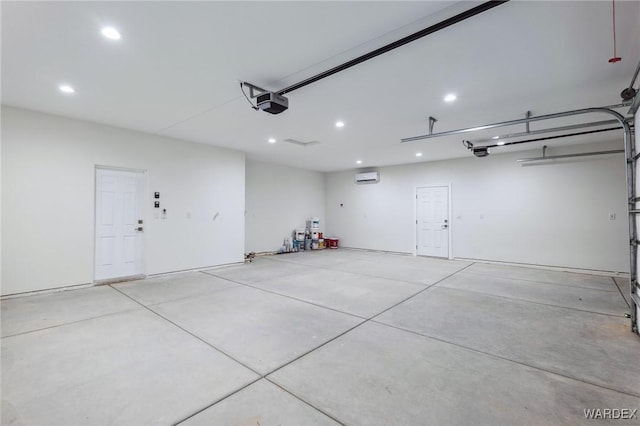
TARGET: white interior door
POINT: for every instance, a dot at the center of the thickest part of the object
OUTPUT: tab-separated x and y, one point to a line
119	227
432	221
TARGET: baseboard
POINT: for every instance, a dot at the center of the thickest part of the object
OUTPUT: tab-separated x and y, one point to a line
46	291
109	281
550	267
516	264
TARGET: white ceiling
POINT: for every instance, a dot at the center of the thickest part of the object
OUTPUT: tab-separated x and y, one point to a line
175	72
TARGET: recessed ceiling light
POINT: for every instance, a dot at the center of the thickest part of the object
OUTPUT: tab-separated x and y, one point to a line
359	162
450	97
272	140
65	88
339	124
418	154
110	33
495	137
500	143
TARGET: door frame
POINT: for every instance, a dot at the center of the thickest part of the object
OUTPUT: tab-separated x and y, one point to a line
415	216
143	213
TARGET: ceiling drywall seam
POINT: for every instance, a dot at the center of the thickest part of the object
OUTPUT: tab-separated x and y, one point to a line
396	44
362	58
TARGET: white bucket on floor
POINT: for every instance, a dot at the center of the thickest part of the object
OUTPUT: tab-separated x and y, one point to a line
300	234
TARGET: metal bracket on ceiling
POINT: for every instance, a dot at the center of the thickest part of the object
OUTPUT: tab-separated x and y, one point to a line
629	92
253	87
432	121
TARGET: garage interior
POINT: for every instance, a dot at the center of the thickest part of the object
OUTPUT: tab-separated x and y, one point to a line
474	165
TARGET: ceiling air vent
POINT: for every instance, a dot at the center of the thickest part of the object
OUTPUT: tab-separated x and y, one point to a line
300	143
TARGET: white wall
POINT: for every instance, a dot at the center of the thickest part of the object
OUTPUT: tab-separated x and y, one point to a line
278	200
48	186
551	214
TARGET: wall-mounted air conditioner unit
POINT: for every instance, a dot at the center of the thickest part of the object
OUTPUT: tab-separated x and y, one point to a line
369	177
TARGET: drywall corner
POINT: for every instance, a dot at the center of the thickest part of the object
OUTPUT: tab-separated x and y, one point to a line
279	199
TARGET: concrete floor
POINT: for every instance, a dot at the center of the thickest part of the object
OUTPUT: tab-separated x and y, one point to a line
321	338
